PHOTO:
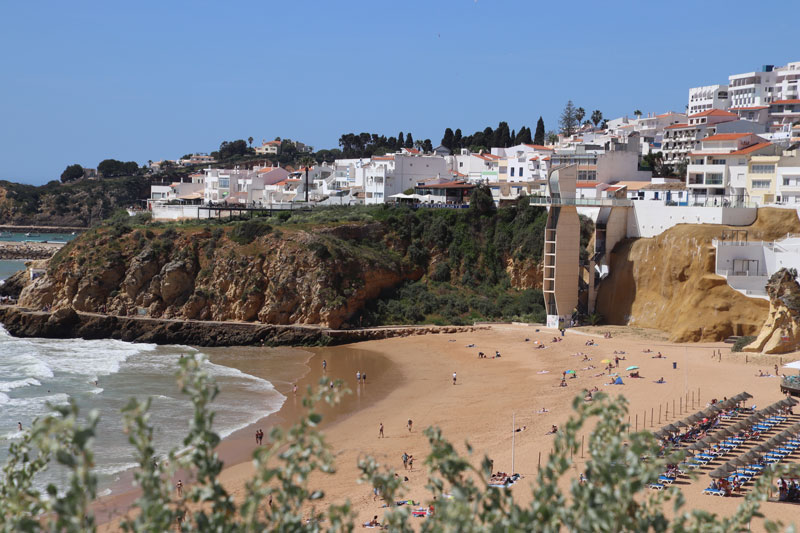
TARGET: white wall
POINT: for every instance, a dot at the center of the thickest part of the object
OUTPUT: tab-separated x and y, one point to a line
650	218
176	212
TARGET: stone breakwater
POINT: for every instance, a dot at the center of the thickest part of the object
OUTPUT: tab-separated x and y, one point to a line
28	250
67	323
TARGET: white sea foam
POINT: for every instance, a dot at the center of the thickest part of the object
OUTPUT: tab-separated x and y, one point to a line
11	385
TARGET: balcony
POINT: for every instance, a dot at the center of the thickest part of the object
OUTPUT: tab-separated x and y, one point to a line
589	202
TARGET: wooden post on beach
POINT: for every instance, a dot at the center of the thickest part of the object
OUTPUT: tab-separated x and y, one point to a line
698	395
629	424
680	404
582	446
659	414
692	399
673	407
637	423
539	462
651	417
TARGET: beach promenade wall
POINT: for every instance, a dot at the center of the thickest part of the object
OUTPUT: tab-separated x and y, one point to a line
651	218
67	323
648	218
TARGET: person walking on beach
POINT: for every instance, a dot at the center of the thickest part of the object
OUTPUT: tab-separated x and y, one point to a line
358	376
19	425
411	462
405	460
364	378
324	365
179	488
294	389
380	431
410	423
454	378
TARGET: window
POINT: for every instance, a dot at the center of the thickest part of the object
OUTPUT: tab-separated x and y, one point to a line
761	184
512	172
717	161
460	164
224	183
762	169
520	172
503	170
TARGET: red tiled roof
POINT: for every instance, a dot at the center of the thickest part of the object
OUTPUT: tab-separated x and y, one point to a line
586	184
714	113
273	142
783	102
725	137
411	150
750	149
383	158
751	108
676	126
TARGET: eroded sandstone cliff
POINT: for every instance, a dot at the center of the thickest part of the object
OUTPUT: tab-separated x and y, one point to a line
668	282
291	277
780	332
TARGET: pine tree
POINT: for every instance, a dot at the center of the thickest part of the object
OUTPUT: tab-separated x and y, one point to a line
538	138
409	140
568	122
457	139
524	136
448	140
427	146
400	141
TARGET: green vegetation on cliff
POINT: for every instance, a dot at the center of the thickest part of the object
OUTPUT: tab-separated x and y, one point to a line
339	266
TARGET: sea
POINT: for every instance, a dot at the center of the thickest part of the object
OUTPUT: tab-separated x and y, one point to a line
103	375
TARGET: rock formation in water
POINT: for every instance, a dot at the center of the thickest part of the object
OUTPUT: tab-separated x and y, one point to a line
781	330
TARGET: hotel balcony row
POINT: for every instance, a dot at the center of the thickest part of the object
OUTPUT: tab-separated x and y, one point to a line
707	179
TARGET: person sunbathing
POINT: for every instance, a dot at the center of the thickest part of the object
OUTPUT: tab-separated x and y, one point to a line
540	347
661	380
647	351
543	410
553	430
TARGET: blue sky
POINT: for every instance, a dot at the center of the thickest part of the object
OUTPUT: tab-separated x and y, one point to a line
85	81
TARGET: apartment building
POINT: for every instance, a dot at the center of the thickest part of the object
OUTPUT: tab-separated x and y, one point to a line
681	139
393	174
240	186
706	98
613	161
752	88
787	177
717	170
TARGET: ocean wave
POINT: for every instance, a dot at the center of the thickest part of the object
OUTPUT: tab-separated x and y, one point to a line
11	385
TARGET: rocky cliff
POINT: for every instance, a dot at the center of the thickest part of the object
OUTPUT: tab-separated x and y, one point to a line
279	278
781	330
668	282
295	272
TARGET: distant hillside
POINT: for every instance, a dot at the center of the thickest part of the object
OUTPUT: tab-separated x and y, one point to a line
82	203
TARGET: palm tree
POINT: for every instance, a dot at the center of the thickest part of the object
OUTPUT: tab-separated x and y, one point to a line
579	114
307	162
638	113
250	140
597	117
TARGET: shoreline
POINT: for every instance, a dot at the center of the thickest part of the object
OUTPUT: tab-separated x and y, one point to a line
236	449
68	323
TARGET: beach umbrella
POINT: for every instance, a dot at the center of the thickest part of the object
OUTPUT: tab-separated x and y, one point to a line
675	457
681	423
721	472
747	395
739	461
632	367
792	401
693	418
699	445
671	428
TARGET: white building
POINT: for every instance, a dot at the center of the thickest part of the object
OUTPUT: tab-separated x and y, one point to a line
268	147
393	174
717	171
752	88
708	97
615	161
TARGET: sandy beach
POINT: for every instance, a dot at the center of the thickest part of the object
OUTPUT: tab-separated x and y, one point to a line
411	378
